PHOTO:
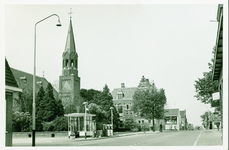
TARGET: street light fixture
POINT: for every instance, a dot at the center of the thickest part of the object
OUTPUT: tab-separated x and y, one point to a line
34	74
85	130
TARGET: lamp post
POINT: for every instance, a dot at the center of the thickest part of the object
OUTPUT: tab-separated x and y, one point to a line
34	74
111	108
85	130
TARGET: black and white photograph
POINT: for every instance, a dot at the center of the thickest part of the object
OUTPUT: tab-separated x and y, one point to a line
115	74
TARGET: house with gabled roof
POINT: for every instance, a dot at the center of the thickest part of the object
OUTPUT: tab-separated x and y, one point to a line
123	101
11	89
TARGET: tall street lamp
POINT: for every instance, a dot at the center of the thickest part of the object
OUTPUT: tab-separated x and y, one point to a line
85	130
111	118
34	74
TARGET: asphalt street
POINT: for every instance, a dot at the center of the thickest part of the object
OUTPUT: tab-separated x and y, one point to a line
168	138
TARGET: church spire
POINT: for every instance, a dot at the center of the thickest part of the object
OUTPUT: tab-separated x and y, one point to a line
70	57
70	42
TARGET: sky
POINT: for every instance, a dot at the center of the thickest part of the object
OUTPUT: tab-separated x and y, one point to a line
170	44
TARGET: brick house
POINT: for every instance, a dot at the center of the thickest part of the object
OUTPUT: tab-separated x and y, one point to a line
11	90
123	101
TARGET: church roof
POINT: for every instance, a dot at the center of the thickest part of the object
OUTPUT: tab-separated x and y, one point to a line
9	77
25	79
70	42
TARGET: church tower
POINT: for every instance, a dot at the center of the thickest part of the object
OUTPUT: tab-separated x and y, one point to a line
69	82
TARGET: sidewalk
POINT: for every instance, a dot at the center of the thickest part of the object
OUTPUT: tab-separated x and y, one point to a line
40	140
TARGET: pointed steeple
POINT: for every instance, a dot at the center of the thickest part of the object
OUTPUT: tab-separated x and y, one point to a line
70	57
70	42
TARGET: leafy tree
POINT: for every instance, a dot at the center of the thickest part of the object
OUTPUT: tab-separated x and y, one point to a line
149	103
105	100
101	115
21	122
88	95
206	86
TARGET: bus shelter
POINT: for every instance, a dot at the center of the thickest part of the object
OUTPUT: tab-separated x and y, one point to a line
76	124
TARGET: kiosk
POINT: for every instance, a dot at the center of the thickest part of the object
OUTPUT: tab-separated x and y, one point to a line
76	124
107	129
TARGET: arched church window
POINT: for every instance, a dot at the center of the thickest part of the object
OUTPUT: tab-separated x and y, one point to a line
72	64
66	63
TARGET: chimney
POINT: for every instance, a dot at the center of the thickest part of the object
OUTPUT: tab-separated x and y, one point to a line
122	85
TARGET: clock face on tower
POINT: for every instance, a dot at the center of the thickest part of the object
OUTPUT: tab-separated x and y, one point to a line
66	86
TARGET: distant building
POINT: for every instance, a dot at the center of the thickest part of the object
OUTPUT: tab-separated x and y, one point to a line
11	90
172	119
183	120
69	81
123	101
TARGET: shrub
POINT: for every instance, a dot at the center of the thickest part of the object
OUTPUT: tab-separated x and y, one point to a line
58	124
21	122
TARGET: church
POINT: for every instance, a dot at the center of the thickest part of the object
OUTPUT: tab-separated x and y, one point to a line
69	81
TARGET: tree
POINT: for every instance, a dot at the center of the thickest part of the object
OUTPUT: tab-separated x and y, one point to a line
60	108
101	115
149	103
205	119
26	100
206	86
21	122
49	104
130	124
88	95
105	100
74	107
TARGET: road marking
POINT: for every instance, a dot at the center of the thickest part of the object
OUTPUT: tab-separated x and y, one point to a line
197	139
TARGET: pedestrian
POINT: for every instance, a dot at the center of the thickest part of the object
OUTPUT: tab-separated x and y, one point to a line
160	127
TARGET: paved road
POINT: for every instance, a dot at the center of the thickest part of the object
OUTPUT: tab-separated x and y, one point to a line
169	138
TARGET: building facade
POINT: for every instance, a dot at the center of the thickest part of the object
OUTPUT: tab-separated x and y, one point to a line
69	81
172	119
183	117
11	90
123	101
218	60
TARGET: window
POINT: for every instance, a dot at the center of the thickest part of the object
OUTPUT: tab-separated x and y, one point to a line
127	106
149	121
139	121
119	108
126	112
120	95
142	121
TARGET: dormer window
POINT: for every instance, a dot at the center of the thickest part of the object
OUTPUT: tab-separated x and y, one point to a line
23	79
120	95
39	83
